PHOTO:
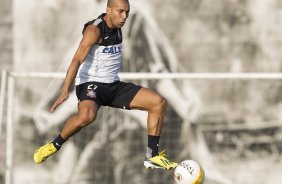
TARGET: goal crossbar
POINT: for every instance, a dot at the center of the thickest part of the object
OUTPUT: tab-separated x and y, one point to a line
153	76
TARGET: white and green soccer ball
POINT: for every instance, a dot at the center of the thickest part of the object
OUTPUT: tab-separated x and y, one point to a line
189	172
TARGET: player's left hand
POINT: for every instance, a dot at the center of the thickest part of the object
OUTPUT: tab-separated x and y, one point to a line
63	97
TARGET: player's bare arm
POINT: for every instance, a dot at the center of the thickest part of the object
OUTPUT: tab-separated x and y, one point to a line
91	36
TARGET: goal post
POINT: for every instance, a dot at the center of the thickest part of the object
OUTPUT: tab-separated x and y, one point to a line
2	97
10	130
8	85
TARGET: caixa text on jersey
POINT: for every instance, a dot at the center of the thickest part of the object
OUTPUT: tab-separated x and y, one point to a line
112	50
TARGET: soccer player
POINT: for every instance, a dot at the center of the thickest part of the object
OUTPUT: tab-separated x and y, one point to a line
94	68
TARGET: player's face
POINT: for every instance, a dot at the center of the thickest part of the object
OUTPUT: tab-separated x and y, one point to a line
118	13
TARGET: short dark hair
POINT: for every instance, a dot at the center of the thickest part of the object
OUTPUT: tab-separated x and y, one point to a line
110	2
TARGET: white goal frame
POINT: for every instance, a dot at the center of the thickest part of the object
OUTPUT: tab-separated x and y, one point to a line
8	89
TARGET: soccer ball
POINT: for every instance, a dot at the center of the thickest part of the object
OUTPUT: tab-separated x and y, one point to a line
189	172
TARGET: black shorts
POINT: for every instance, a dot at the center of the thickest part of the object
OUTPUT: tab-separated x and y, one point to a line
117	94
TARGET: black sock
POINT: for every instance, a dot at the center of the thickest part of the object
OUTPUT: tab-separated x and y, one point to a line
153	146
58	142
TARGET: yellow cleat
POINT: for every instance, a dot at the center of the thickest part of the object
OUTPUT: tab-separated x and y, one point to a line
43	152
159	162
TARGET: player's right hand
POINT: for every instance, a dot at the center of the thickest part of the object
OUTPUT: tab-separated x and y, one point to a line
63	97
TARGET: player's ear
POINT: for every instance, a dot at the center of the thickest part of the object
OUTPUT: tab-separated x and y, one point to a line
108	10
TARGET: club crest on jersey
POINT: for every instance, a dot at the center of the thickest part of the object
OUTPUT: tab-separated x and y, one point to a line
112	50
91	93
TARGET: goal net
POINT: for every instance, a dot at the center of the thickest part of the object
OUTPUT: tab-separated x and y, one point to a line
111	150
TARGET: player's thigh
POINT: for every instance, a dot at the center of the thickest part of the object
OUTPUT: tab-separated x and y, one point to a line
146	99
87	110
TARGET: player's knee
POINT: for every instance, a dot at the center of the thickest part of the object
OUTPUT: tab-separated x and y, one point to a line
86	118
160	104
163	104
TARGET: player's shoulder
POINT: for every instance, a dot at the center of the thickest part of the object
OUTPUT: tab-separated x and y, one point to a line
93	24
92	29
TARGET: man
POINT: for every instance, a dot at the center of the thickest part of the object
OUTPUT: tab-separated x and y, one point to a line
95	67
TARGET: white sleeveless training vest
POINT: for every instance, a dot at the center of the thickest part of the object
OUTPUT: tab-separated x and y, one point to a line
103	61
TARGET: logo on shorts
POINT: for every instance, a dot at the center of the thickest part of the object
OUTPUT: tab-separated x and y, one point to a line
91	93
